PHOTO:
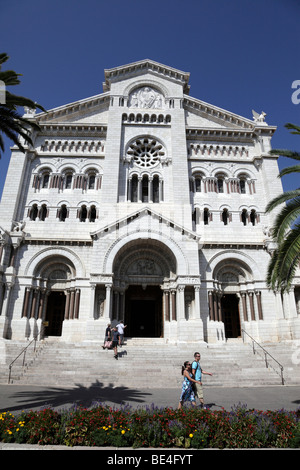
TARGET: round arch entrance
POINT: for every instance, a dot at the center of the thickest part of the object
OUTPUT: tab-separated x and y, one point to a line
232	279
142	270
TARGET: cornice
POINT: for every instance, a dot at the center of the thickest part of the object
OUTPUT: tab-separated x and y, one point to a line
142	66
80	106
227	134
76	129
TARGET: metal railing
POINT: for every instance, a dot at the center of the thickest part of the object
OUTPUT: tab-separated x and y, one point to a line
266	354
24	351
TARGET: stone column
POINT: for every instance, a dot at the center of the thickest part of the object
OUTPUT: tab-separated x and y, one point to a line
181	304
251	305
244	303
173	305
92	305
167	305
107	310
211	304
67	306
197	314
77	303
26	301
259	306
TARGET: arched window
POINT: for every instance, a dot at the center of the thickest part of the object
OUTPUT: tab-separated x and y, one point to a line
33	212
145	189
155	186
91	181
45	180
134	189
43	212
68	180
253	217
92	214
243	186
83	213
244	216
198	184
225	216
206	216
63	213
220	184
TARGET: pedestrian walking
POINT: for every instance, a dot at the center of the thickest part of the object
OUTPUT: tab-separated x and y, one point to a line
187	392
197	374
115	335
121	327
107	338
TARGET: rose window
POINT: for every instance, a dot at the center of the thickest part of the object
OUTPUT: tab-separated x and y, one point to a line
146	152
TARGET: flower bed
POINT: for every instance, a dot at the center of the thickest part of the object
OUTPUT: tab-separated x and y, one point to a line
154	427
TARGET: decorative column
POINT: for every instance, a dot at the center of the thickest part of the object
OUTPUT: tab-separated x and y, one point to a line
181	312
250	294
259	306
77	302
244	303
107	310
173	304
72	301
139	198
26	301
33	304
218	295
167	305
215	310
92	304
129	190
67	306
211	304
197	302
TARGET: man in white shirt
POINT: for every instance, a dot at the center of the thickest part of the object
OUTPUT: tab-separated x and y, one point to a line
120	326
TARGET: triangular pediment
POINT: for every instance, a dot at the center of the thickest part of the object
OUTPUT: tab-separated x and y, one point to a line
145	212
205	115
136	69
90	110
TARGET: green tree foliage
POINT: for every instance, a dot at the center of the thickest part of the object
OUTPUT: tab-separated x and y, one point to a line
12	124
286	228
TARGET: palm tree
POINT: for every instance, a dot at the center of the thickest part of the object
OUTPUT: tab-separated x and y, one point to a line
12	124
286	228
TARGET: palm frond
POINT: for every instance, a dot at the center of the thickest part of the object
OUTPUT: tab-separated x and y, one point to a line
289	170
293	126
285	219
282	198
286	153
284	262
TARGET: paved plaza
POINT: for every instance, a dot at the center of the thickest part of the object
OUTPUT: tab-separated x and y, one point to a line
16	398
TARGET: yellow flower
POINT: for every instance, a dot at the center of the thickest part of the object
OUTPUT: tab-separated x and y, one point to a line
123	432
191	435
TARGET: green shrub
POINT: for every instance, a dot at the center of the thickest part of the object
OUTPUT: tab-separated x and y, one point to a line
154	427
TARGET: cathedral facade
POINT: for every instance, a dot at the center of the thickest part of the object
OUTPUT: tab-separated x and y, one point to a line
147	205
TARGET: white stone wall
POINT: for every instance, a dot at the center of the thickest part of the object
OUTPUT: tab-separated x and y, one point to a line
197	139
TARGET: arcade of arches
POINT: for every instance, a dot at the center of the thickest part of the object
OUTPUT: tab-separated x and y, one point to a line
144	293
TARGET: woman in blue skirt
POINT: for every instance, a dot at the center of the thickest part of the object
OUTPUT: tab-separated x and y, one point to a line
187	392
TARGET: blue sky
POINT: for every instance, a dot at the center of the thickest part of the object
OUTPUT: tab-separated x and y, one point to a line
241	54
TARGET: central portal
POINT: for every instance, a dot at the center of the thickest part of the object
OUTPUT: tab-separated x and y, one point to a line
143	312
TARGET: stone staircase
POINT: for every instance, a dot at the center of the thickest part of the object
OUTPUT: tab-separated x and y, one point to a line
146	363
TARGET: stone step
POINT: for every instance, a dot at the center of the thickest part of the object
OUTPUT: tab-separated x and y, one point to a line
142	364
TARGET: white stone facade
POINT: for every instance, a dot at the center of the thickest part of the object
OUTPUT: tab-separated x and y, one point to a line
143	204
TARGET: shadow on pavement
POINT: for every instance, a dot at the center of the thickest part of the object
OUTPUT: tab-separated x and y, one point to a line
56	397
